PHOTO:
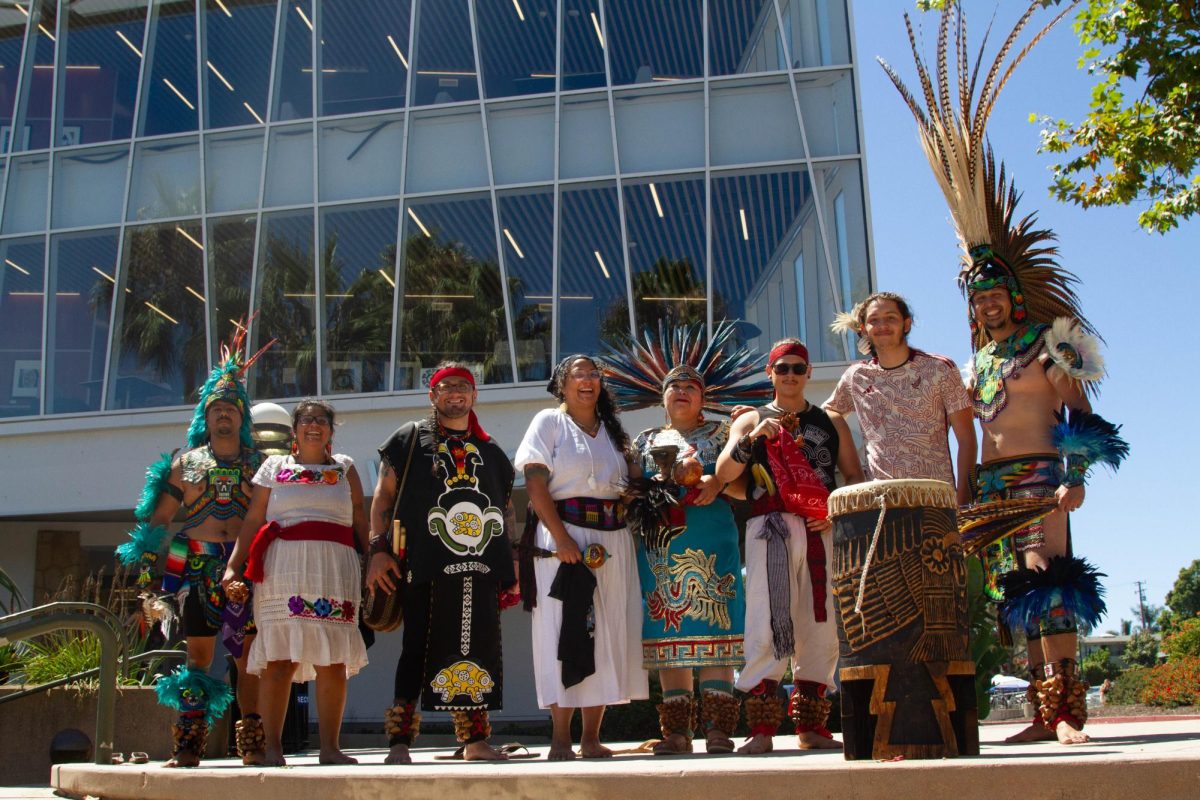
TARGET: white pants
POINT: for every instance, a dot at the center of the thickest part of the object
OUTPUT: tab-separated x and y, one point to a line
815	658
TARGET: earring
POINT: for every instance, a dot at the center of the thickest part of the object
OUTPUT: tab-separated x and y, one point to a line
329	448
295	446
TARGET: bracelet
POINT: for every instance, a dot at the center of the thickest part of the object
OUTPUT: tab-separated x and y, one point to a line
379	544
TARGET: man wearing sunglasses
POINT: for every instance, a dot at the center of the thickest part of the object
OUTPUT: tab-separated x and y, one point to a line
906	399
792	449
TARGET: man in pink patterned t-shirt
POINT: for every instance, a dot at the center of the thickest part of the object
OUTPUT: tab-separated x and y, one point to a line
906	401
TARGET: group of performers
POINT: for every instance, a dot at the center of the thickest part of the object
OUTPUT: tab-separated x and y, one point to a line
630	557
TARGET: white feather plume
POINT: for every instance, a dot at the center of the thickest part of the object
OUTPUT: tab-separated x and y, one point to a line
1074	351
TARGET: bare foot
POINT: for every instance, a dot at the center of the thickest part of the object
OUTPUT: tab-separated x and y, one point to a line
482	751
589	749
561	752
1036	732
335	757
675	744
184	758
273	758
398	754
757	745
254	758
1068	735
811	740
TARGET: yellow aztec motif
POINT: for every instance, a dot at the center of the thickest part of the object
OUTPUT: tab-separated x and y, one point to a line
463	677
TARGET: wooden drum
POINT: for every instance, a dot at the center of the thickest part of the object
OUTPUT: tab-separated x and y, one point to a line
900	586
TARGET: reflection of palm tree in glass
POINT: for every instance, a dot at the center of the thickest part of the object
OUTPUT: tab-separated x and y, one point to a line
669	291
162	266
358	327
285	303
452	307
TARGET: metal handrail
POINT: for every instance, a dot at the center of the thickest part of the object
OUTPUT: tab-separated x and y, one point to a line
122	664
79	616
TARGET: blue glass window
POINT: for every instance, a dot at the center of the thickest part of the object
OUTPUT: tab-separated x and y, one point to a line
12	40
817	32
360	157
289	166
89	186
364	55
665	224
166	179
238	36
293	64
25	200
233	169
83	269
37	91
743	37
21	272
451	306
660	129
827	108
160	352
286	297
660	41
445	55
754	122
591	284
358	252
230	260
585	139
522	140
516	45
444	137
583	45
527	240
99	85
170	93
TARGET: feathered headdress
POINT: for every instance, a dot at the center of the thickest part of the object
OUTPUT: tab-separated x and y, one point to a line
998	249
227	382
635	369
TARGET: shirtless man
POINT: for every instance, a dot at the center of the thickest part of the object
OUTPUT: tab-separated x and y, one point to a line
906	400
801	545
1019	384
211	483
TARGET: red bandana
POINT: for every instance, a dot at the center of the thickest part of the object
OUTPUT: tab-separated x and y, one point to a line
458	372
790	349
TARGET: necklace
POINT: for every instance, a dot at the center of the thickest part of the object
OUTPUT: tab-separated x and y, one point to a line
590	430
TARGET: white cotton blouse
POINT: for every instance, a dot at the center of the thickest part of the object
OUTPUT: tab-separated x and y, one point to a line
307	492
580	465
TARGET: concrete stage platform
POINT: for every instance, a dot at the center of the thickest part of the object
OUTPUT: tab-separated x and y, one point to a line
1158	759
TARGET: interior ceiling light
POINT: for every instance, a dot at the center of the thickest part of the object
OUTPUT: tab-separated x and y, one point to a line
745	229
16	266
513	242
195	294
160	312
420	224
399	54
304	17
657	205
223	8
188	236
603	268
179	94
221	77
520	13
253	112
596	25
129	44
387	277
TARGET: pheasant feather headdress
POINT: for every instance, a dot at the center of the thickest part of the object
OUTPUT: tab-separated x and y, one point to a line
952	115
636	368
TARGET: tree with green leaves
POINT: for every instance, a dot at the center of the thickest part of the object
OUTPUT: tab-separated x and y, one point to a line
1142	650
1184	597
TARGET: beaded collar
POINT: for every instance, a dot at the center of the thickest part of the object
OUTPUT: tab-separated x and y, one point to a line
997	361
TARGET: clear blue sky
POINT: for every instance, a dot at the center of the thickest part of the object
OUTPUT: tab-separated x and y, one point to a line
1139	289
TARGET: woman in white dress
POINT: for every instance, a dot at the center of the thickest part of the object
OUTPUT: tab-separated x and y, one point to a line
574	458
298	544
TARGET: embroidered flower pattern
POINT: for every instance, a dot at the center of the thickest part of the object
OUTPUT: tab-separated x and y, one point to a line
328	477
935	556
324	608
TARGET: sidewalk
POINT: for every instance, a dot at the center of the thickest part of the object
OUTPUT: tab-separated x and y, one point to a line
1136	759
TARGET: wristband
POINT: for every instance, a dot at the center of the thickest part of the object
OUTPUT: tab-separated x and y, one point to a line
744	450
379	543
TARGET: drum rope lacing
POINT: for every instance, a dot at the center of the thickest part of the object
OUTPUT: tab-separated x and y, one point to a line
881	499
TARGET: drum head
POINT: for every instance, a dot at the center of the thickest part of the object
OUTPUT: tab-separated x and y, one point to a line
893	494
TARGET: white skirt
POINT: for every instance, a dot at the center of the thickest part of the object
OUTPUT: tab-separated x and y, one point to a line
306	608
619	675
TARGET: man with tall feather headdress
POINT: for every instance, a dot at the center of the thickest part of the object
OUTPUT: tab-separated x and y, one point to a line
210	481
1035	363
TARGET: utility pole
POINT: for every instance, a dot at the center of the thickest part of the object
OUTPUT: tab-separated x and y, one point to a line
1141	589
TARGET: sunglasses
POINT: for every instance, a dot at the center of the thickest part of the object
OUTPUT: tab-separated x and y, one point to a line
795	369
309	419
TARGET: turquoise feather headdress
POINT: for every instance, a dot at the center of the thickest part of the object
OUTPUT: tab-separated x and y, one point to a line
227	382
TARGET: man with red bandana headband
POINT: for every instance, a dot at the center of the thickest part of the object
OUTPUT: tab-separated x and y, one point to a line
907	400
792	448
456	508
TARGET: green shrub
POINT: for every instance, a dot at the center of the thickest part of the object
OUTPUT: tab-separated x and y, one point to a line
1184	642
1142	650
1127	687
1175	683
1098	667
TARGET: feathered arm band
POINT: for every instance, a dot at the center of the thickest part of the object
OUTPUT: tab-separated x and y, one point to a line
142	550
1085	439
157	482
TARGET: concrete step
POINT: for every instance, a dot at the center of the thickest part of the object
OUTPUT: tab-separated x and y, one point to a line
1159	760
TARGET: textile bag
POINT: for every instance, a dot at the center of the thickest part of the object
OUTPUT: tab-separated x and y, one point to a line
383	610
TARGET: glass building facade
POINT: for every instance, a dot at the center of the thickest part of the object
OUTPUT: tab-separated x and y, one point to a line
388	183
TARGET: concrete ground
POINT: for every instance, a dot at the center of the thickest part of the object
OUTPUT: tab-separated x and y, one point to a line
1157	759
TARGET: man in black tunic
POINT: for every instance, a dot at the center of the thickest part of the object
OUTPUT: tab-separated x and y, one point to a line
456	508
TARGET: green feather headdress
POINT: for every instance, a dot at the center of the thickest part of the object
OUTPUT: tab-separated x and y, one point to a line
227	382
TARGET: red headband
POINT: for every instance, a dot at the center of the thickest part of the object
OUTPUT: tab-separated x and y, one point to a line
788	349
458	372
451	372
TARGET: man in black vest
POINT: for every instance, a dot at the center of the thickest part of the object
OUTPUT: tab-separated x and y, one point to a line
449	484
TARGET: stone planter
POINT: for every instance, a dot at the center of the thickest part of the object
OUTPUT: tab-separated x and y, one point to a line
28	725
